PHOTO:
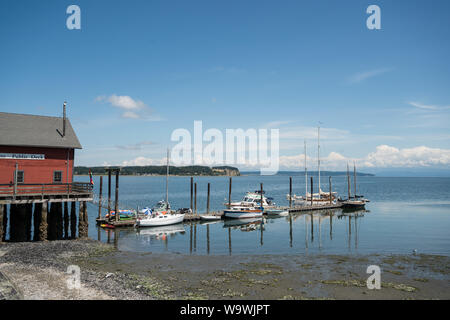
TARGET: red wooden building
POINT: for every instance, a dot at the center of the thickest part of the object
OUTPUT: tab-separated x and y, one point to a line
36	170
40	149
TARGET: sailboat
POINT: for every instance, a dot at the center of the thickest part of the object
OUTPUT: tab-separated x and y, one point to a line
317	198
357	201
161	215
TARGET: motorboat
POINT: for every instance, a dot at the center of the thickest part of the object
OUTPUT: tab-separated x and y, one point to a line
252	199
242	212
209	217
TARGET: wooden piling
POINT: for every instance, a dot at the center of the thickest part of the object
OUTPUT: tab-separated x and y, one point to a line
73	220
28	220
5	223
229	192
195	198
59	221
51	235
100	194
82	220
66	220
109	192
116	199
43	225
207	199
2	213
192	194
290	192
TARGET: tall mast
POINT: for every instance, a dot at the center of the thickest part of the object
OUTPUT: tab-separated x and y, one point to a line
306	177
354	179
167	178
348	183
318	153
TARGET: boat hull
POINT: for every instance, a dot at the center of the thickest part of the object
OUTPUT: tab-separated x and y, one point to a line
161	220
242	214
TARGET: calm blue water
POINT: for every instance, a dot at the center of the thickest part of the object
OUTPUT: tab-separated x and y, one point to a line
404	214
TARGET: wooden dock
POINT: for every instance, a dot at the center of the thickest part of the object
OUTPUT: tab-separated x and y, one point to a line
295	209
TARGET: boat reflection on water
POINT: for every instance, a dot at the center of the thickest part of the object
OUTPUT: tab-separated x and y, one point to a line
161	233
245	225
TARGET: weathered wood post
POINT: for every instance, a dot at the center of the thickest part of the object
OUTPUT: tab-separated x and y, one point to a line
43	225
73	220
2	213
28	220
100	194
192	194
5	223
86	220
312	191
207	199
51	222
82	220
195	198
229	192
66	220
59	221
290	192
331	198
116	199
109	193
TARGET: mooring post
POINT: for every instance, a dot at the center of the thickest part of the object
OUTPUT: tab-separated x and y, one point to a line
43	224
73	220
290	192
100	193
86	220
207	199
109	193
195	198
66	220
331	200
5	222
2	213
192	194
312	191
59	221
29	221
229	192
116	204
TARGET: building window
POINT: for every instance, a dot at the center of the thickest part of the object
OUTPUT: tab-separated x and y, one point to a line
57	176
20	176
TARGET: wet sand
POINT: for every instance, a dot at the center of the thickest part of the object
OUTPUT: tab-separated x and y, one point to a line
38	271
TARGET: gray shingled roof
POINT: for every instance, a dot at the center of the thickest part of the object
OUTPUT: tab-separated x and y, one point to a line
36	131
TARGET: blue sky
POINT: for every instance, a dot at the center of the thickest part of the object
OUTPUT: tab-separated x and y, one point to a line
382	95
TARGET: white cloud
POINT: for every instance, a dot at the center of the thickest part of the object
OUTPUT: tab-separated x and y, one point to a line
359	77
132	108
428	107
387	156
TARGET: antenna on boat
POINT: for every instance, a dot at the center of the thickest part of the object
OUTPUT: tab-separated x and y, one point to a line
167	179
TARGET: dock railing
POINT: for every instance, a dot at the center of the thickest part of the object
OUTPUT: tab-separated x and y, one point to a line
44	189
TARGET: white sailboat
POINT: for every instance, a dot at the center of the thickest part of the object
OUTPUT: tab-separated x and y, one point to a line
164	216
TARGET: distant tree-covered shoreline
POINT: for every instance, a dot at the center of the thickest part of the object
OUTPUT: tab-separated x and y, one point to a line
161	170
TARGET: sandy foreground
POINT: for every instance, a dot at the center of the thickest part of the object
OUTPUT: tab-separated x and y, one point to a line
38	270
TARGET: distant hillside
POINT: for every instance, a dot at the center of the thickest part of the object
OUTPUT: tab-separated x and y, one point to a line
312	173
161	170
